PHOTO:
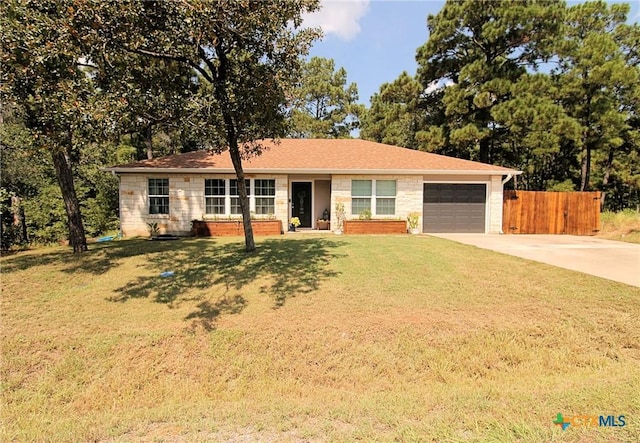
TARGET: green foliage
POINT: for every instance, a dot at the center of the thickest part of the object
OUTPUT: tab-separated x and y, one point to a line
239	59
480	95
565	186
597	82
365	214
7	230
413	219
153	228
323	105
32	178
480	50
393	116
44	78
45	214
340	215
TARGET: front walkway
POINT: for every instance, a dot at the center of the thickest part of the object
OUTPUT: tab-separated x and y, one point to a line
608	259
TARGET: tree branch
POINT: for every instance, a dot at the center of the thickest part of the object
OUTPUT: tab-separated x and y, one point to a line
178	58
212	69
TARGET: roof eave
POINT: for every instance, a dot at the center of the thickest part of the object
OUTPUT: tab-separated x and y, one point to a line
152	170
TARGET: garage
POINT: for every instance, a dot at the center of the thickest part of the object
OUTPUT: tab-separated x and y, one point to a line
453	207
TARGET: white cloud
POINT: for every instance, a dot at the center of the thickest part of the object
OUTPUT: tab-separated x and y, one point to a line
438	84
339	17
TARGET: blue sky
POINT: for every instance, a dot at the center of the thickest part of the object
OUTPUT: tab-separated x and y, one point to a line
375	40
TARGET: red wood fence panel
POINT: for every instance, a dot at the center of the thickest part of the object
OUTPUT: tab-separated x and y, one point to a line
534	212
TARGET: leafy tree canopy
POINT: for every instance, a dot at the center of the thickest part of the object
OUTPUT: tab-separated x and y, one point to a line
323	105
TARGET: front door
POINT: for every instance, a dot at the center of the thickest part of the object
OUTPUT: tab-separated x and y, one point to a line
301	202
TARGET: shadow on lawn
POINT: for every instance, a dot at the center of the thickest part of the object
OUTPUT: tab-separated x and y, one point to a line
97	260
283	268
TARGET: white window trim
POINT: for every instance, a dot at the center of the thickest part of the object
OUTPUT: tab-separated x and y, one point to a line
374	197
227	196
252	199
224	197
150	196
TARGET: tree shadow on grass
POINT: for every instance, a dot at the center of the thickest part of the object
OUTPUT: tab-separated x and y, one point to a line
204	271
208	312
100	258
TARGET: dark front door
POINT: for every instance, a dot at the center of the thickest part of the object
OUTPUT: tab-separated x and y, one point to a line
301	203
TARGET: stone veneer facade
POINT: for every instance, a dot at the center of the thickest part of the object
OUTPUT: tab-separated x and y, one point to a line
186	199
186	202
408	194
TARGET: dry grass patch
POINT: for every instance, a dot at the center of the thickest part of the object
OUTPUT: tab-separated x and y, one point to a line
385	338
621	226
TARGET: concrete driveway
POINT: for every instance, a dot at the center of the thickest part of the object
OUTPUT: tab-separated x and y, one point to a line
608	259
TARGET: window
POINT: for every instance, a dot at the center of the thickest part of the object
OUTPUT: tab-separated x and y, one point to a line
235	199
385	197
265	195
221	196
360	196
214	196
363	197
158	196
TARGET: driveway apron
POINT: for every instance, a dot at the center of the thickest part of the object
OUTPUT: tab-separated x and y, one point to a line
608	259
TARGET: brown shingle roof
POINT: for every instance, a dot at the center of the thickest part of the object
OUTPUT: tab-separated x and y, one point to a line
321	156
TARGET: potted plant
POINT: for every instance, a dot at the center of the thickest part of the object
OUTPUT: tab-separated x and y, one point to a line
340	216
294	223
412	220
153	229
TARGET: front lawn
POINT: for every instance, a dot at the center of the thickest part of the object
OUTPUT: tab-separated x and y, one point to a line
313	338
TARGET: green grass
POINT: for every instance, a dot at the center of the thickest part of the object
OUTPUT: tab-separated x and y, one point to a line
621	226
323	338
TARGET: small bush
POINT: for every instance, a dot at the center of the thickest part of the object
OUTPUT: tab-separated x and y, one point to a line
365	214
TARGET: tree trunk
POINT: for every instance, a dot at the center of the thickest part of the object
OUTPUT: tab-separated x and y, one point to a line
234	151
19	220
585	169
148	141
220	91
484	150
605	179
64	173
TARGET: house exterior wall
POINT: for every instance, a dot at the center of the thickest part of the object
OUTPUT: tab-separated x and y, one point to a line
408	195
186	199
321	198
495	205
186	202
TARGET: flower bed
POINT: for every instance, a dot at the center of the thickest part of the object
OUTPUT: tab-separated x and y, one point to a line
375	227
227	228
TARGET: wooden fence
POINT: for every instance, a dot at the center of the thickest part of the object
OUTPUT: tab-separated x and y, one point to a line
531	212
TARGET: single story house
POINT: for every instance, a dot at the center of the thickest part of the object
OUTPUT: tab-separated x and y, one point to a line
305	177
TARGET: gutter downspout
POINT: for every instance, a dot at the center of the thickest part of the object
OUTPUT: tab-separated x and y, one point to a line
509	177
115	174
